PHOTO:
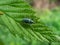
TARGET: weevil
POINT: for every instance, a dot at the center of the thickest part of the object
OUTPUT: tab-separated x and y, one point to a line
27	20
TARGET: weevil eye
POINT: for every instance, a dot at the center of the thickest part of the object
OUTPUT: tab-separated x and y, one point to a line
27	20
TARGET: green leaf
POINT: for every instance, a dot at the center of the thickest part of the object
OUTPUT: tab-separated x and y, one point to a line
13	11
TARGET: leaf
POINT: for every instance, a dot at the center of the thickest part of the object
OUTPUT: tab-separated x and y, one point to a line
13	13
